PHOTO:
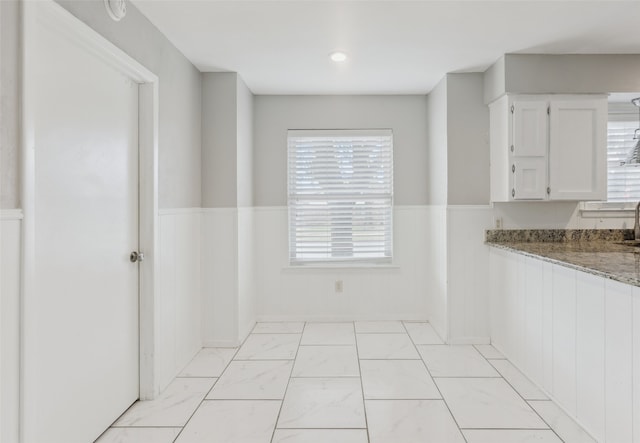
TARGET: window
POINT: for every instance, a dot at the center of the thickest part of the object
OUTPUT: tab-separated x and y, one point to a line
623	181
340	191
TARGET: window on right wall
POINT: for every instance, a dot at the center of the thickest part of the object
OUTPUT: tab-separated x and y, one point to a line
623	180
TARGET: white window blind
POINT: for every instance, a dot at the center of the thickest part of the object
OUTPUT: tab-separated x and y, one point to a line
340	196
623	181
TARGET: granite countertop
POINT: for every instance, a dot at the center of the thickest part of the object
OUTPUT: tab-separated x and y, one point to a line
597	252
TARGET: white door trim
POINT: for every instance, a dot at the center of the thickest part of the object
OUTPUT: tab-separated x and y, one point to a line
48	13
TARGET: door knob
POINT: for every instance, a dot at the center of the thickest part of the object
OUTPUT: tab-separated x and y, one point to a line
136	257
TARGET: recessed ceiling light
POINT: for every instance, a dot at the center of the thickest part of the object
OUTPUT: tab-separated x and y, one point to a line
338	56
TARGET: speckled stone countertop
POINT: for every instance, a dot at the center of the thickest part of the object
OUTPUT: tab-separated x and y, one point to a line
607	253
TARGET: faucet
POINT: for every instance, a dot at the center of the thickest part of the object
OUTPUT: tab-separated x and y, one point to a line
636	227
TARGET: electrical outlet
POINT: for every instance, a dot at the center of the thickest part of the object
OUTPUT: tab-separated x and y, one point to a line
338	286
498	222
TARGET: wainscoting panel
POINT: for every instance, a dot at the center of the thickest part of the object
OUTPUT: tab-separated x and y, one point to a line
396	292
220	277
10	259
179	298
468	273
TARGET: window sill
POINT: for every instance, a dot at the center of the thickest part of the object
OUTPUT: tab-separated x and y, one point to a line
607	209
339	267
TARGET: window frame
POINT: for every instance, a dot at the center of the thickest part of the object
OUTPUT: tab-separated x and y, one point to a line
334	261
617	112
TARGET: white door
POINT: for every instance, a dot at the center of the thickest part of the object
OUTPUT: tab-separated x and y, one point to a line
82	335
578	149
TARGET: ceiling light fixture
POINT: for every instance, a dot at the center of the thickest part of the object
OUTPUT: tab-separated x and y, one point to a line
338	56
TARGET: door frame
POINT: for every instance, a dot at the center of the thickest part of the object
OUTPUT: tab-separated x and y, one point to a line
55	17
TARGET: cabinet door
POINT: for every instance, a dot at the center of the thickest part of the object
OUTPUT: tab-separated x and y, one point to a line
530	133
578	149
529	178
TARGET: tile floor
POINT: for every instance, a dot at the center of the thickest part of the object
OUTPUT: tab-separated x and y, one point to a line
352	382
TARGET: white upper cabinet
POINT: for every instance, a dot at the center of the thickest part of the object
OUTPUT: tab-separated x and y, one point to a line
529	178
548	147
530	128
577	149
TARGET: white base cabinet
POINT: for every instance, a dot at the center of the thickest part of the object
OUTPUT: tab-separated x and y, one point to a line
576	335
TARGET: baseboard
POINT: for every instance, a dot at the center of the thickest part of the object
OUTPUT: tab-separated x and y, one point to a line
221	344
336	318
179	211
469	341
228	343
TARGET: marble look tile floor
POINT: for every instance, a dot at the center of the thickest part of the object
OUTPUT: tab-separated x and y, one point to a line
347	382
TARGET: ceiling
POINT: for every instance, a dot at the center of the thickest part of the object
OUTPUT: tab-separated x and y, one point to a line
393	47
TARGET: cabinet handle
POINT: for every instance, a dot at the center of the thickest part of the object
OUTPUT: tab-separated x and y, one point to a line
513	168
511	148
548	190
513	193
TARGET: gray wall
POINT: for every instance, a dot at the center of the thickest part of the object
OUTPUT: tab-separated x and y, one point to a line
245	144
570	74
180	108
494	81
9	104
227	141
219	140
180	95
405	115
436	124
467	140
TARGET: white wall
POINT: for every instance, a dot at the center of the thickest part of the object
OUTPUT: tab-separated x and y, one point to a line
253	270
179	298
10	257
437	269
468	271
247	284
220	277
228	276
394	293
